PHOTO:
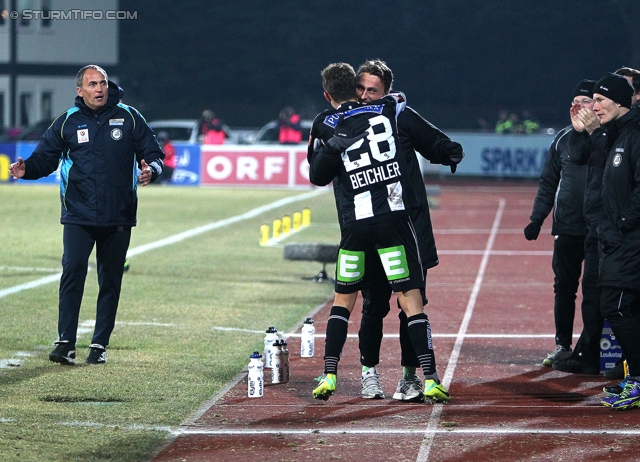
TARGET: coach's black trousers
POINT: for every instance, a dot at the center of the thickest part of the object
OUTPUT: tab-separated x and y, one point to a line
587	348
568	253
111	245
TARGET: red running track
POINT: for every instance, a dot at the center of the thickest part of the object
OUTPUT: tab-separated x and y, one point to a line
491	310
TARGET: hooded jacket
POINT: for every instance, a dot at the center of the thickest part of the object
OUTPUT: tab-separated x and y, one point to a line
98	154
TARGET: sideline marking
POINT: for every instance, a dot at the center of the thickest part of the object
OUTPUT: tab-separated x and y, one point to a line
290	335
204	431
30	270
391	431
434	418
178	237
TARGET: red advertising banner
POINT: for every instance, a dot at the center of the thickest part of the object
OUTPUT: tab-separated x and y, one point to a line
254	166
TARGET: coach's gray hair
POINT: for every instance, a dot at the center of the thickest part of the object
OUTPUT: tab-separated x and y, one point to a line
80	74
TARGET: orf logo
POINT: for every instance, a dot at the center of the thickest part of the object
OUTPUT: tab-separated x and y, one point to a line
116	134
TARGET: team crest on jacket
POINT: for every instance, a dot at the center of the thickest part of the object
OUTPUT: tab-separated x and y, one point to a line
116	134
617	160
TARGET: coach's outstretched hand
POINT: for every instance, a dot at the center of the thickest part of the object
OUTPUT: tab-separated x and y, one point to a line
532	230
17	169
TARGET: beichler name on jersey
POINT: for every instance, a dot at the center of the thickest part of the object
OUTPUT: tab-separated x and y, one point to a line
374	175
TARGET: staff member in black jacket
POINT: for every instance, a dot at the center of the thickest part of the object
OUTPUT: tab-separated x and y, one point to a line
561	188
619	226
98	145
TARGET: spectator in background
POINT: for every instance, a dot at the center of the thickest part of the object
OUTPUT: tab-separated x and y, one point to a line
289	130
169	158
504	124
212	129
529	123
508	122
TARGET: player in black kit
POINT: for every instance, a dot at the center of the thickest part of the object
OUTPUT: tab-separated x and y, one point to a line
356	146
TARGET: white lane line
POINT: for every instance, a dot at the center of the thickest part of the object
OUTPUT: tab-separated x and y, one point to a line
294	335
434	418
403	431
488	431
178	237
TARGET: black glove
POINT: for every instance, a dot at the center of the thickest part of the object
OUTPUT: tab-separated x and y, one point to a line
345	128
532	230
456	154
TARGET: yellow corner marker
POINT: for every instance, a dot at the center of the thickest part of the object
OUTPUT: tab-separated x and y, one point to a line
297	220
286	224
306	217
264	234
277	228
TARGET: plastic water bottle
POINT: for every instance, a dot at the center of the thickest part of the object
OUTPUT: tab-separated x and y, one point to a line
276	363
285	361
307	340
270	337
255	378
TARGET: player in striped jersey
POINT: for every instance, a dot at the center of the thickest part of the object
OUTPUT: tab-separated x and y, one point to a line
355	146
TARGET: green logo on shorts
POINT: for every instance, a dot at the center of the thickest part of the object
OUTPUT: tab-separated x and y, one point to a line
394	261
350	266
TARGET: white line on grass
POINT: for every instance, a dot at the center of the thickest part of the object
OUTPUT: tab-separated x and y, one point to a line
29	270
178	237
434	418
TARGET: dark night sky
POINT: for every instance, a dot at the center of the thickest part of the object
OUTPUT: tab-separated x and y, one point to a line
456	60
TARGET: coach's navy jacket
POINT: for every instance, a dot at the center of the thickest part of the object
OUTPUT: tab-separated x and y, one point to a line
98	154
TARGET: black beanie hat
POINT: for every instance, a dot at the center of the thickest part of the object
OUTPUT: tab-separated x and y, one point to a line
615	87
584	88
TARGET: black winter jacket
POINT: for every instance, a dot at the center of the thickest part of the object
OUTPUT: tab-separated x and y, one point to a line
561	188
619	228
98	154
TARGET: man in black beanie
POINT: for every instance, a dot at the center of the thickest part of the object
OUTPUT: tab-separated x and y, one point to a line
614	133
569	230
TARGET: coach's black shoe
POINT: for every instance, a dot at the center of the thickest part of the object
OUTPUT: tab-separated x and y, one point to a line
64	353
97	354
575	366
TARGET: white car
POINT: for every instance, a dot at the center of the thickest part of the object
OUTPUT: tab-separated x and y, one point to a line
186	131
269	133
179	130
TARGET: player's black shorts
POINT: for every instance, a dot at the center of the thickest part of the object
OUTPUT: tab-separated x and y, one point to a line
392	242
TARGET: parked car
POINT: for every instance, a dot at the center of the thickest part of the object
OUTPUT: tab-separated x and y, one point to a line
269	133
31	133
186	131
179	130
